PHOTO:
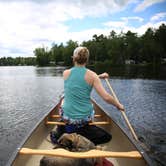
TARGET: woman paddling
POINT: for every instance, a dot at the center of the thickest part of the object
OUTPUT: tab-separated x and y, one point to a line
77	109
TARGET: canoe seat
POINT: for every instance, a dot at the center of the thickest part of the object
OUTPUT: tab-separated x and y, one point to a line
91	123
58	116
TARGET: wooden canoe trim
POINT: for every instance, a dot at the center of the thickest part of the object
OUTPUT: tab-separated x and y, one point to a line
55	116
89	154
58	116
62	123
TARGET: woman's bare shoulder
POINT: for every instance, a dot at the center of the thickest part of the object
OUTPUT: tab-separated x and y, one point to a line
66	73
91	73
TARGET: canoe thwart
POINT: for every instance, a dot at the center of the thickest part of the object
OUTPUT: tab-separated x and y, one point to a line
58	116
62	123
89	154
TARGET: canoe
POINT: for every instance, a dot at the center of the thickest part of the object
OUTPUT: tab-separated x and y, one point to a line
122	150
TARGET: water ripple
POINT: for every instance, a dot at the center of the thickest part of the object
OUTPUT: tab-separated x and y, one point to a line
27	93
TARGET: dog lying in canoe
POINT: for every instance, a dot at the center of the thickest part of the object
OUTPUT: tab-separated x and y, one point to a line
75	143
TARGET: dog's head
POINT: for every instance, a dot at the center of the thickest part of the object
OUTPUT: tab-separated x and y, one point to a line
66	141
75	142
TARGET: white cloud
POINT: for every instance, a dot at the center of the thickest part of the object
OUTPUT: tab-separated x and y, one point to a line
115	24
142	29
145	4
158	16
123	26
88	34
27	24
140	19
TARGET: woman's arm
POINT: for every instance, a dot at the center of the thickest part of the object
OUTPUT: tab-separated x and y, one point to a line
103	75
103	93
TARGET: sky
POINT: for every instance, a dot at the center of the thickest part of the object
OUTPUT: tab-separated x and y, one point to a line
28	24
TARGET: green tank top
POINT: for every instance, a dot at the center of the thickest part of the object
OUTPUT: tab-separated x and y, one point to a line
77	104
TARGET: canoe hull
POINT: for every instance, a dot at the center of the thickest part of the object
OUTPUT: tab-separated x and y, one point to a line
120	141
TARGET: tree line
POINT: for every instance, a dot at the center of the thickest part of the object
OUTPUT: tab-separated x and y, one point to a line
18	61
115	49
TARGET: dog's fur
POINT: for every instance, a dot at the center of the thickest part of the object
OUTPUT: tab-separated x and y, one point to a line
75	143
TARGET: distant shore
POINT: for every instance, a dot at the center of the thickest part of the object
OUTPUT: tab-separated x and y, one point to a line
144	71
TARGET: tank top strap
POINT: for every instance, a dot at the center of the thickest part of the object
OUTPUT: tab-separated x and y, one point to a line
78	71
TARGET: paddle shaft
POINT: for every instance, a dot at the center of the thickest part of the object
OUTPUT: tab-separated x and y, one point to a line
123	113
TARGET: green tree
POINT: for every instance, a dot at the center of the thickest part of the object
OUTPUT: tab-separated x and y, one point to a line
68	52
99	45
132	46
42	56
148	47
160	38
115	50
57	53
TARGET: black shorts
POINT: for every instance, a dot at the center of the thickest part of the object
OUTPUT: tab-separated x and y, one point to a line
94	133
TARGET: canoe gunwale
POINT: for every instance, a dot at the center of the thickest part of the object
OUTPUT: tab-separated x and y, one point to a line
16	152
135	143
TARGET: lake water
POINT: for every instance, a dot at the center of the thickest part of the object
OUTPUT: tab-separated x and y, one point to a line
27	93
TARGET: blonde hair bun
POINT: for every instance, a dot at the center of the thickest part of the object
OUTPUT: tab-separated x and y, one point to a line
81	55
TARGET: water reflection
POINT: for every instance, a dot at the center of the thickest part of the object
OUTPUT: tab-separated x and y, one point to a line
132	71
27	93
144	101
49	71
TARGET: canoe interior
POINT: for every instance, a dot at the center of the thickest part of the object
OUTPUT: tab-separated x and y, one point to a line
119	143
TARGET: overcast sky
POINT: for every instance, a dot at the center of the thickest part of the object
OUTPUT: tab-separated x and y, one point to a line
27	24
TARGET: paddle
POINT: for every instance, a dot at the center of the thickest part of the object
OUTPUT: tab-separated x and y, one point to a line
123	113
